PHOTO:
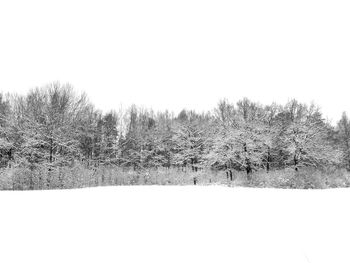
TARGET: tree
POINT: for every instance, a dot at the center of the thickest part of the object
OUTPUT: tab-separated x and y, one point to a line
238	140
343	136
52	127
110	136
303	138
189	139
7	143
47	122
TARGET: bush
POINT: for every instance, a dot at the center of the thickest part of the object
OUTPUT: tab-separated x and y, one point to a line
80	176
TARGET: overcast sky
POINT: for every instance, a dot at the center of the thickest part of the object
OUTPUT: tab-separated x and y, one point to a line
180	54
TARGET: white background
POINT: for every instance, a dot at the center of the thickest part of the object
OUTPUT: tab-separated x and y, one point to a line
184	53
176	54
175	224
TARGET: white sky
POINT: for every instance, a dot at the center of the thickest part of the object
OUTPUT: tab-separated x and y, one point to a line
183	53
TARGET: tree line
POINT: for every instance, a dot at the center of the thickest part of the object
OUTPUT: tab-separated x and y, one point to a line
53	126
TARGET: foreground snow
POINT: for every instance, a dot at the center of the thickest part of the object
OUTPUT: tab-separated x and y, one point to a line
175	224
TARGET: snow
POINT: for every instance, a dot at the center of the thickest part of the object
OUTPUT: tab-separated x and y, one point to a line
175	224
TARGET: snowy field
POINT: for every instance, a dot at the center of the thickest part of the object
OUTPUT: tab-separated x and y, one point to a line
175	224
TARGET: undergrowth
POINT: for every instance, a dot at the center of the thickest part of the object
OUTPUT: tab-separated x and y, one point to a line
80	176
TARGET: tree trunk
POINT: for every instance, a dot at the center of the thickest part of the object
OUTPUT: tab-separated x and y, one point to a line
48	179
247	161
249	171
249	167
268	160
10	157
61	179
51	150
295	163
31	181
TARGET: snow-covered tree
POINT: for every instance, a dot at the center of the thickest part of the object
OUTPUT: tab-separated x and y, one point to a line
303	138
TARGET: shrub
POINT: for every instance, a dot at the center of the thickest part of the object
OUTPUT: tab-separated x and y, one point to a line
80	176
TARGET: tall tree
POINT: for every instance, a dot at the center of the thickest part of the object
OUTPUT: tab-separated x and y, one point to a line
7	140
303	138
343	135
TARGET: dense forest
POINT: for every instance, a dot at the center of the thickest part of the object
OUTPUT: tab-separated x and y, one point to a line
53	129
